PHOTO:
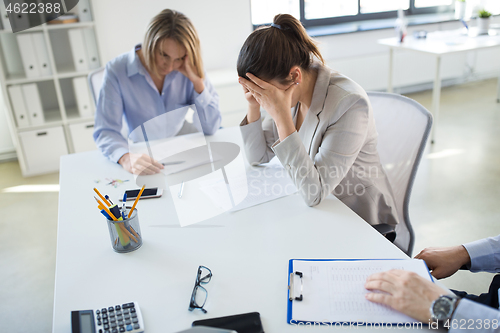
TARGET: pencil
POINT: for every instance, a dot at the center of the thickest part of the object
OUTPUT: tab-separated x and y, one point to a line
106	209
124	228
135	233
103	199
136	200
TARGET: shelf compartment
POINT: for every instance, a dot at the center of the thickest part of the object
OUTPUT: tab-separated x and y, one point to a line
50	105
63	57
34	104
77	101
11	60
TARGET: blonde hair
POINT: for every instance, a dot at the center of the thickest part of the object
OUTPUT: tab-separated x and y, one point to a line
172	24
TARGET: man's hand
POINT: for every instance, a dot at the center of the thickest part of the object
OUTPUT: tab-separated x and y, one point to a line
404	291
445	261
140	164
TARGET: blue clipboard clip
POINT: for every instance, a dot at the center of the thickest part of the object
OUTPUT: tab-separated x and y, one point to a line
291	288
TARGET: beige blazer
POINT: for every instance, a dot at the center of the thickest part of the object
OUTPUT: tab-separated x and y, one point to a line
335	150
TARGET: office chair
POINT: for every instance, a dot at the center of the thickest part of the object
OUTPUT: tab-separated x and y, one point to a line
95	82
403	126
95	79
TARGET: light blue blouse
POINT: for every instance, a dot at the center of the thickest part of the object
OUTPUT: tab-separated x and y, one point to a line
128	92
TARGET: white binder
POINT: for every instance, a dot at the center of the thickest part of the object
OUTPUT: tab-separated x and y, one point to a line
84	14
28	54
33	104
16	96
78	49
91	47
82	96
42	53
4	18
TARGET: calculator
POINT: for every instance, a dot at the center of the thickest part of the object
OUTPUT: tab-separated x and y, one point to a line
112	319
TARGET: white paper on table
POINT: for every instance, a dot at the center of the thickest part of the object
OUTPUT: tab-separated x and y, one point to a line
217	192
333	291
263	184
193	207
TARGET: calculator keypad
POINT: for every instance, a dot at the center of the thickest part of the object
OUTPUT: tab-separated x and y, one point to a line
118	318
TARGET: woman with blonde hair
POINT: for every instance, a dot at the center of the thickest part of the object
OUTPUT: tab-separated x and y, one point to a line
163	74
328	141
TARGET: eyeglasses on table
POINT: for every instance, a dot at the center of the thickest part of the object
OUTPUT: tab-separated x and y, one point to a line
200	294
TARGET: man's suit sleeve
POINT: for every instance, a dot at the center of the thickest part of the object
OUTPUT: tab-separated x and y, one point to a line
473	316
484	255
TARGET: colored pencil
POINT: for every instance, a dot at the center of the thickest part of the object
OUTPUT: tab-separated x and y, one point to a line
106	209
135	233
103	199
136	200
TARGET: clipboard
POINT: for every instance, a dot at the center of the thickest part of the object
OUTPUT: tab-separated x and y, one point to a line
297	292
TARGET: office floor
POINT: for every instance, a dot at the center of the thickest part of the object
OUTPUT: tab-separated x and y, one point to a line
455	200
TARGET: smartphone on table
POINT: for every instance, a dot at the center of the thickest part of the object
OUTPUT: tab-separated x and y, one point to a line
148	193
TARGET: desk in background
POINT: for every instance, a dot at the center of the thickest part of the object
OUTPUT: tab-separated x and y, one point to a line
247	251
438	44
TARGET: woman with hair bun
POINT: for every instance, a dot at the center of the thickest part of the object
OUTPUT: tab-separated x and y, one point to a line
328	141
163	74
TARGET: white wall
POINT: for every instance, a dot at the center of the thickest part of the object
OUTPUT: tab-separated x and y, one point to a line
223	26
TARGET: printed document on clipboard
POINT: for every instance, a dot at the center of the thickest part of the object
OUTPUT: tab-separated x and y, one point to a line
332	290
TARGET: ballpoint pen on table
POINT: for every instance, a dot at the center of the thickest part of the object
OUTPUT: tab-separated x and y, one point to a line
179	195
107	198
173	163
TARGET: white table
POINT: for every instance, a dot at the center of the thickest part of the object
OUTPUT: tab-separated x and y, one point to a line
247	251
438	44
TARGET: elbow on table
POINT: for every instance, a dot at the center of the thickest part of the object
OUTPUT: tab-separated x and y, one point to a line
312	199
210	130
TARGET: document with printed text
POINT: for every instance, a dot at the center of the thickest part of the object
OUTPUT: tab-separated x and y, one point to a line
333	290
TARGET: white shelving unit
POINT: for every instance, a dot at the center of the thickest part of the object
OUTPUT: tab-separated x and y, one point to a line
64	130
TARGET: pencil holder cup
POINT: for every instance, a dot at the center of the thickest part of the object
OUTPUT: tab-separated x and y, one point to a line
125	235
